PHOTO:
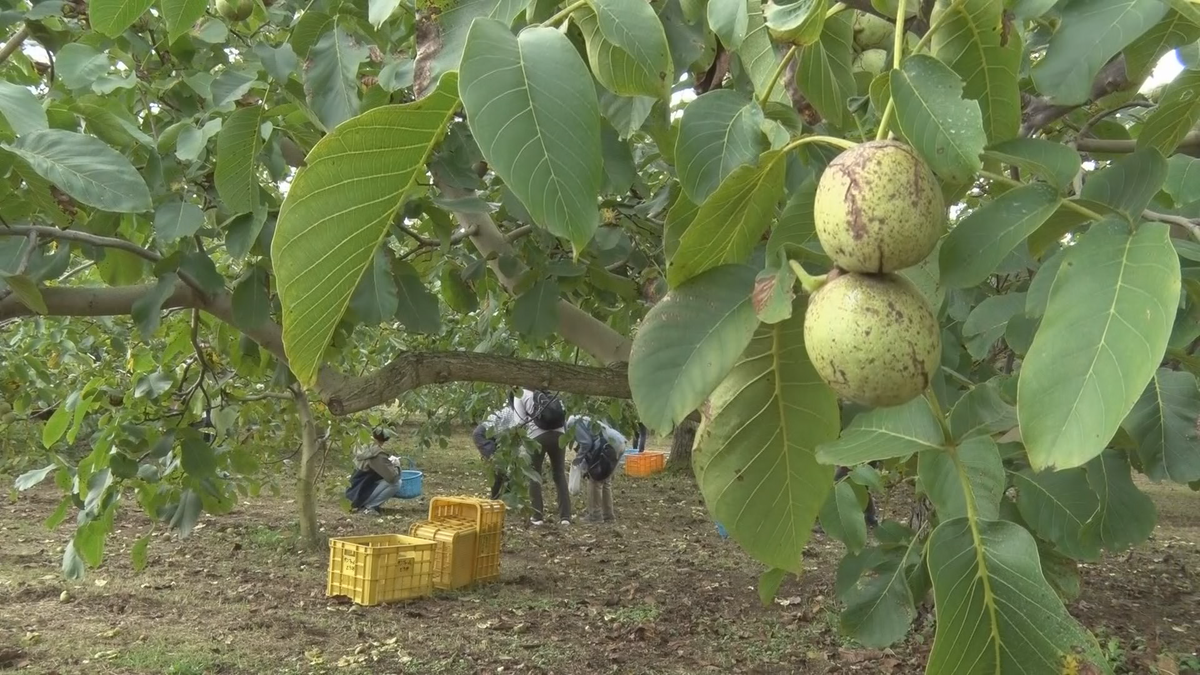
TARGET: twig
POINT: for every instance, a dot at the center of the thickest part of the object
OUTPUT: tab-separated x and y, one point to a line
14	43
570	9
1191	225
787	58
1098	117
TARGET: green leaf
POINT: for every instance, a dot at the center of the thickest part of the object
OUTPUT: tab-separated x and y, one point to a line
181	15
986	323
89	538
758	57
175	220
730	20
418	307
1176	113
1106	327
842	517
930	111
1175	30
976	44
768	585
1007	619
244	231
1126	515
981	241
32	478
801	22
187	513
688	342
27	292
121	268
309	29
146	311
139	552
879	606
379	11
1163	423
198	458
280	62
112	17
331	76
73	567
326	235
796	231
1057	505
375	299
237	150
627	47
78	65
754	456
1183	178
56	426
251	300
885	433
823	70
532	108
231	85
626	114
774	292
1090	32
1053	162
1128	184
982	410
730	223
718	132
21	108
979	459
450	21
679	218
535	312
85	168
456	292
204	271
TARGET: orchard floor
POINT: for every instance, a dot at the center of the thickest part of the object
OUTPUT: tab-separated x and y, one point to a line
658	592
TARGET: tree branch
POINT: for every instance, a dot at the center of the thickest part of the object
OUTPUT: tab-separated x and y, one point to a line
23	263
14	43
1040	112
1190	145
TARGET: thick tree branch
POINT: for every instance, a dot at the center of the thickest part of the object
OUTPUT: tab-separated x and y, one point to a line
1190	145
14	43
1040	112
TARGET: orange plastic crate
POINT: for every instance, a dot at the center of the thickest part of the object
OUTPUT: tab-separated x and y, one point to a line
454	557
381	568
644	464
488	517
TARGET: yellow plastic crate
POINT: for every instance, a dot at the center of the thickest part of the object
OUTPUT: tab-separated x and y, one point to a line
454	557
643	464
379	569
488	516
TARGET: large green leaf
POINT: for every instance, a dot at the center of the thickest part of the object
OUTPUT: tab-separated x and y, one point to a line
375	300
237	153
1164	422
731	222
679	218
758	57
1106	327
1057	505
998	615
444	26
85	168
879	606
754	456
1090	32
718	132
1049	236
309	29
26	289
842	517
535	312
146	311
1054	162
688	342
1175	30
180	15
626	114
982	410
112	17
796	231
981	241
331	76
885	433
931	113
627	47
1176	113
533	110
941	473
823	70
327	234
21	109
730	20
78	65
1183	179
252	300
418	309
1128	184
986	323
800	22
1126	515
976	44
121	268
175	220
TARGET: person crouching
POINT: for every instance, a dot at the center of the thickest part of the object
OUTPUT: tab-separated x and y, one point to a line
375	479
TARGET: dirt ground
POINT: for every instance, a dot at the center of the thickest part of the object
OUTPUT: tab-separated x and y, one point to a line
657	592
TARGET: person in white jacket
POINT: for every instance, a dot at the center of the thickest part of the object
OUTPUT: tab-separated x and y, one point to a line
544	418
598	464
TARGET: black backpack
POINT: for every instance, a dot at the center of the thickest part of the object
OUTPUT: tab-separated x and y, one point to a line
548	412
596	454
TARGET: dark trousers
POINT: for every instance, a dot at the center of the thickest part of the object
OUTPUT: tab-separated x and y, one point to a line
498	484
549	445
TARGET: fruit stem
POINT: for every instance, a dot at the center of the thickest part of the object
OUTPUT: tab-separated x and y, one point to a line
828	140
1077	208
808	282
835	10
787	58
549	23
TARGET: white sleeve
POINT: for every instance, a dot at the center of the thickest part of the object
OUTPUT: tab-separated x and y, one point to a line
619	443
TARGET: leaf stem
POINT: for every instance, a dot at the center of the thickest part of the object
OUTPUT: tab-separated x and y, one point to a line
787	58
838	8
886	120
808	282
1074	206
897	53
828	140
936	407
550	23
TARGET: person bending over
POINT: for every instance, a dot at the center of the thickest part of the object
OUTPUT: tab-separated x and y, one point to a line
375	479
598	450
544	417
485	441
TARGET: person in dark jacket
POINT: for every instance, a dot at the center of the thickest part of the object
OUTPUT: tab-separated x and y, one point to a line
375	479
485	441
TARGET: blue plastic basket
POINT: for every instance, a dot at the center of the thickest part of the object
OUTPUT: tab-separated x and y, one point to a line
722	531
410	481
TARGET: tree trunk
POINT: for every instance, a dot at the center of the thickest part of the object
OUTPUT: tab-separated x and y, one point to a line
306	488
681	444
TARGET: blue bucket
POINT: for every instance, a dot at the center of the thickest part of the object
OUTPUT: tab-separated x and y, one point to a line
722	531
410	481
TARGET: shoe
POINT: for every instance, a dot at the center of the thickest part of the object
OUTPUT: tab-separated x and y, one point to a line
565	523
373	512
537	523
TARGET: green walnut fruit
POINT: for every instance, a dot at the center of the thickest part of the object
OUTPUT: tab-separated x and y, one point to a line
872	338
873	61
878	208
872	32
235	10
